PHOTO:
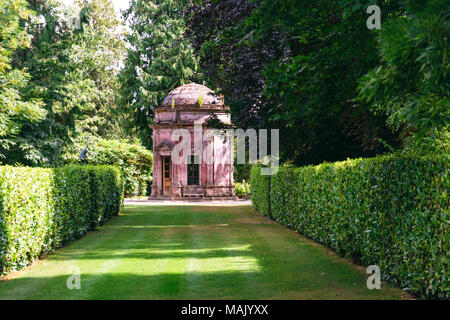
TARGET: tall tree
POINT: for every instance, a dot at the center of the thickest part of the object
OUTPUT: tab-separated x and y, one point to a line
100	51
295	65
411	85
16	108
72	60
159	59
230	65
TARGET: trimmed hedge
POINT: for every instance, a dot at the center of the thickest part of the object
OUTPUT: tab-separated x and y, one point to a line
41	209
259	190
389	211
135	161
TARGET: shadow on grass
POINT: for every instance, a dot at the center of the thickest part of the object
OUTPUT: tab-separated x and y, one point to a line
188	285
191	253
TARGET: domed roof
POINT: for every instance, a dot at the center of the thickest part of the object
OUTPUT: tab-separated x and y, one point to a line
193	95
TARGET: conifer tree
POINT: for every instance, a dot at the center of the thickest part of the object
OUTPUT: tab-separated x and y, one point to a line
159	59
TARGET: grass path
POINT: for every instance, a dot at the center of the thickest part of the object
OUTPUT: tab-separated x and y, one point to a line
188	252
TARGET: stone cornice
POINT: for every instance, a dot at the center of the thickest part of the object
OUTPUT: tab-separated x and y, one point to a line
177	125
193	108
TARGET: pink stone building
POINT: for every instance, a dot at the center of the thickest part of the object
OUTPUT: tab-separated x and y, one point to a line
184	106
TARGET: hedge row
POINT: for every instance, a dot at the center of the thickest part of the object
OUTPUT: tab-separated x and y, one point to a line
135	161
387	211
259	190
41	209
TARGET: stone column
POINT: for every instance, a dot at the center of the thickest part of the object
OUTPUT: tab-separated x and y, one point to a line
155	174
210	169
176	187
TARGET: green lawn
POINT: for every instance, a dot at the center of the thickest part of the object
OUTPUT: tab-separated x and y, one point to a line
193	252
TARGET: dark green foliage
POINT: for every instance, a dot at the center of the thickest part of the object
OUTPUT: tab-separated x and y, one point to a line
389	211
259	189
16	109
135	161
41	209
158	60
69	85
295	66
411	84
